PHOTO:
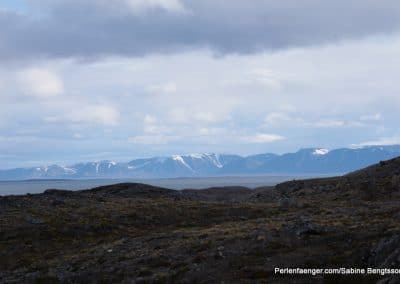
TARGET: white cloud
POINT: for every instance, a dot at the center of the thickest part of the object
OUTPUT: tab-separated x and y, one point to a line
167	88
330	123
91	114
211	131
262	138
323	100
276	118
208	117
77	136
97	114
371	117
268	78
149	119
152	139
178	115
335	123
379	142
41	83
198	114
138	6
151	126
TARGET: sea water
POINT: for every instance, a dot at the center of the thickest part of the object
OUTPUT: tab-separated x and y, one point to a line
39	186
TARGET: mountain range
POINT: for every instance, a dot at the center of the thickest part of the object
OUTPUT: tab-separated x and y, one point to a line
311	161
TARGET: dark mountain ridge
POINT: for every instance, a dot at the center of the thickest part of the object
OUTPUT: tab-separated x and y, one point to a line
313	161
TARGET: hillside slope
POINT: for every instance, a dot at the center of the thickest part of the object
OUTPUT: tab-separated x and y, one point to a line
142	234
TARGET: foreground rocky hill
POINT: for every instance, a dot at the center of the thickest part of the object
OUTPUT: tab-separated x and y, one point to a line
135	233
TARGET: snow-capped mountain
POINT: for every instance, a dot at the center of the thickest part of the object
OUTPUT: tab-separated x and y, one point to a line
313	161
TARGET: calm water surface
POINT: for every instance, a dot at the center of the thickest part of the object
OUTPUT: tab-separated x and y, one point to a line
38	186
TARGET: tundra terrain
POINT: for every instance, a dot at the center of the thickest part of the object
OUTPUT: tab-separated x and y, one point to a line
135	233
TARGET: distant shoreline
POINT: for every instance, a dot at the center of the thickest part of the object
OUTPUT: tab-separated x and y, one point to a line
296	176
35	186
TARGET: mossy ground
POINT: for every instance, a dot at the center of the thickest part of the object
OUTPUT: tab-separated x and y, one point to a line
109	237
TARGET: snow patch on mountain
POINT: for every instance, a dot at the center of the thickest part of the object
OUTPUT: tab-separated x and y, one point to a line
196	156
111	164
182	161
320	152
215	160
70	171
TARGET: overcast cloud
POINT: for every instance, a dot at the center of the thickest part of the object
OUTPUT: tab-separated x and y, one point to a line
97	28
95	79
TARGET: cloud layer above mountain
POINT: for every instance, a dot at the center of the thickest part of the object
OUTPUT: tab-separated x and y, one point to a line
97	28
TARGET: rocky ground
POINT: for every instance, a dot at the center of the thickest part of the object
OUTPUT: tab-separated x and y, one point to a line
134	233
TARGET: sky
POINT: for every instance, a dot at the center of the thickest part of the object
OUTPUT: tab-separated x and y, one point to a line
98	79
